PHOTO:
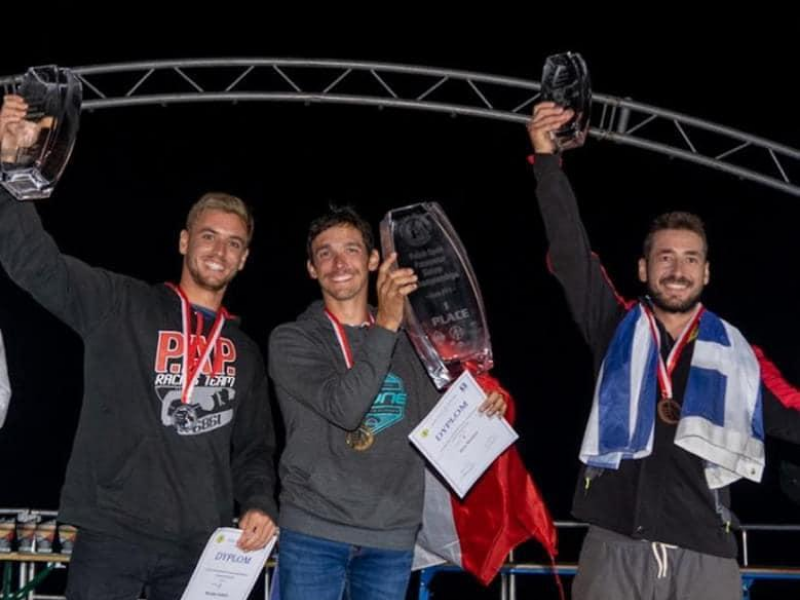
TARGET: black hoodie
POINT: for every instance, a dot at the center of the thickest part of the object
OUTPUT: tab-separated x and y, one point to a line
140	469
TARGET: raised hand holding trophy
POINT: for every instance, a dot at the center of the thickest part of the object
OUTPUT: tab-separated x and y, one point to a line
565	81
34	150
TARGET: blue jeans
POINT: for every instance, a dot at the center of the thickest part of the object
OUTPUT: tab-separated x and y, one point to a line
107	568
312	568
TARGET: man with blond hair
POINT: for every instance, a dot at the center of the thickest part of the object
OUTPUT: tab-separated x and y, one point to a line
175	423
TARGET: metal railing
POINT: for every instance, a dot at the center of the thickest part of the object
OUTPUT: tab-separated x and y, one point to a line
32	568
511	570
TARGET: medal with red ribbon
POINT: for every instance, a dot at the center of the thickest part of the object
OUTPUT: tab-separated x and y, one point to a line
362	438
196	348
669	411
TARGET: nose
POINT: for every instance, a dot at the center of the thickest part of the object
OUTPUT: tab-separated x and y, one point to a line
687	267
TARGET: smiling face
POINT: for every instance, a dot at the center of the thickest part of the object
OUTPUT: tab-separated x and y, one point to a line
676	270
214	249
341	263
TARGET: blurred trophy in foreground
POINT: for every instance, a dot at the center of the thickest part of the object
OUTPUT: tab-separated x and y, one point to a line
445	317
565	81
34	151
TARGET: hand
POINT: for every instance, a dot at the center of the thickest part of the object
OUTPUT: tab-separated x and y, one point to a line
495	404
13	111
12	115
257	529
15	131
393	287
547	118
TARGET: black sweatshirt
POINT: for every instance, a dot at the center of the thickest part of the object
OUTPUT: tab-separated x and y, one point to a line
143	467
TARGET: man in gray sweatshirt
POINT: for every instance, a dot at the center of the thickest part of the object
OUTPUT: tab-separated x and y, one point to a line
351	389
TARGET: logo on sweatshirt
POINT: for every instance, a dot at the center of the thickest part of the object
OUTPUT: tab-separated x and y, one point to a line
389	406
211	403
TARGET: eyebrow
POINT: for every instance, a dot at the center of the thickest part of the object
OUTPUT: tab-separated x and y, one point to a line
672	250
218	232
345	245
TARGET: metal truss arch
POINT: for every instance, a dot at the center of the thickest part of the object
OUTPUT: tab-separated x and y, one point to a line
453	92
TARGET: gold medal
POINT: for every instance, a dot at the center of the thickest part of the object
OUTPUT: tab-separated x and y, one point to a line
360	439
669	411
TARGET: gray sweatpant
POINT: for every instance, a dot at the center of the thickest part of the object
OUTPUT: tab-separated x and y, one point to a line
617	567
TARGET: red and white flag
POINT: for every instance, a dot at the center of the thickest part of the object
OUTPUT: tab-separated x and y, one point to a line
502	510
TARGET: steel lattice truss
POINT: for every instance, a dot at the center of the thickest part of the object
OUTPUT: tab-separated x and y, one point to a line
440	90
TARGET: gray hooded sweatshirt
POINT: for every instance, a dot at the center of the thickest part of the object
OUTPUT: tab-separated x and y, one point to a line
371	497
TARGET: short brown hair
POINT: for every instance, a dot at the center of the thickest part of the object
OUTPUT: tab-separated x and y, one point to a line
226	203
338	216
675	220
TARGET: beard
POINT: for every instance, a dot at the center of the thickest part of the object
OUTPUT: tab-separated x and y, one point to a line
662	301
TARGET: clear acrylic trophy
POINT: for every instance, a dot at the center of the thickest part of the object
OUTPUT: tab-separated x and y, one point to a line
445	316
34	151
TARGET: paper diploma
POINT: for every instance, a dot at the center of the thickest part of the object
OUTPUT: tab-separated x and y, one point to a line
458	440
224	570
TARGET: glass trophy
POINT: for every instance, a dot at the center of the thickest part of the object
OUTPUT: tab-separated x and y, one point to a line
34	151
565	81
445	317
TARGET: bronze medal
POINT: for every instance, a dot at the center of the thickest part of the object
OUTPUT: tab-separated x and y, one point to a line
361	439
669	411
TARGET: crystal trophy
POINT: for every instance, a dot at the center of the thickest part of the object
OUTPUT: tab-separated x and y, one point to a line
445	316
34	151
565	81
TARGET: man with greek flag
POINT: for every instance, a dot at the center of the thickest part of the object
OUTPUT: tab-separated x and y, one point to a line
680	408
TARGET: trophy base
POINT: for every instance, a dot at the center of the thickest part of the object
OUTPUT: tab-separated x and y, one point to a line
27	185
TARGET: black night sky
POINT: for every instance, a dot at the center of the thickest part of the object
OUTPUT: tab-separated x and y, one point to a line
135	171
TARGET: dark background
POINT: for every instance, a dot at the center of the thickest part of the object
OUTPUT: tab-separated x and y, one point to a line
135	172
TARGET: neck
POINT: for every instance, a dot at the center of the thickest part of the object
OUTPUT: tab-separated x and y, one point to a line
210	299
674	322
348	312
